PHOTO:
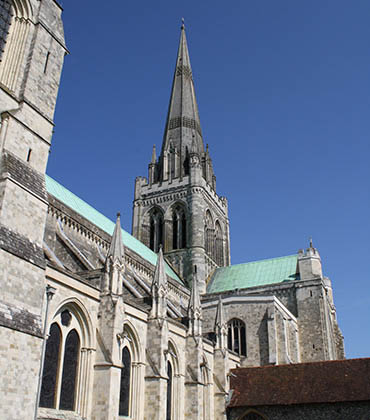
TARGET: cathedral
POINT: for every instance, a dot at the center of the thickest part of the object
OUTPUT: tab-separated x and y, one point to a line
100	324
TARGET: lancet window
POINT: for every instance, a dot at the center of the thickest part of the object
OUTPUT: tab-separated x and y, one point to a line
236	337
62	354
179	228
124	397
209	234
6	15
156	230
219	246
169	391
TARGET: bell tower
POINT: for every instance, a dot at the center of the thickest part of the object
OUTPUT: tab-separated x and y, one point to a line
177	205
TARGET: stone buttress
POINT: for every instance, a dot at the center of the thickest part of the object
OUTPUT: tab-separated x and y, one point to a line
195	361
156	378
108	363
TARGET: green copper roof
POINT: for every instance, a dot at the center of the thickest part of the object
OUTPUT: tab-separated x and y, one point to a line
252	274
85	210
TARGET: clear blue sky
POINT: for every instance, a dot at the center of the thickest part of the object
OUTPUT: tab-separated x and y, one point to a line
284	98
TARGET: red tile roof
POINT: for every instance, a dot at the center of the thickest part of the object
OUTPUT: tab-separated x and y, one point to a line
316	382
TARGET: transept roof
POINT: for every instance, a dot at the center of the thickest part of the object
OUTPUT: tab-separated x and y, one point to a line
254	274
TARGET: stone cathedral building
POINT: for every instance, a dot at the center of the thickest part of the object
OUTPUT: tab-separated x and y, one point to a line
99	324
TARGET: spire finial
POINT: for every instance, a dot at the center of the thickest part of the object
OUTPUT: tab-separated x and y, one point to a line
182	23
118	214
311	244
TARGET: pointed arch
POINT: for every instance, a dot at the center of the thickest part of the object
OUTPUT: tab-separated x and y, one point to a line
18	14
156	229
219	245
252	414
174	381
131	375
179	225
67	370
209	233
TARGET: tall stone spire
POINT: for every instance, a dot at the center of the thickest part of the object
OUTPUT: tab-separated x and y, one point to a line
183	124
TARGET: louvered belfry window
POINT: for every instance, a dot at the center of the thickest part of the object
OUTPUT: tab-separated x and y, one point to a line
6	14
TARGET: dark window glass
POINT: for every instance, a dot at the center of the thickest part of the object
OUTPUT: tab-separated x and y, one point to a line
124	394
252	416
69	376
152	229
6	14
156	231
169	391
174	231
236	337
183	231
51	362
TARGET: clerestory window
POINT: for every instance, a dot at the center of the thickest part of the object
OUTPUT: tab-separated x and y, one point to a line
236	337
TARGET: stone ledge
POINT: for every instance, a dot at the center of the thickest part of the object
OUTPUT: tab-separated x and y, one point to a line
53	414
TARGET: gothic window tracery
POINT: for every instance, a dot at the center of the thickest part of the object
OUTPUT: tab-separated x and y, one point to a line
59	376
124	397
64	361
156	230
236	337
178	228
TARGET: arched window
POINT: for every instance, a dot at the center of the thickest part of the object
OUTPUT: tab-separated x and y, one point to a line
156	230
236	337
49	377
124	395
15	22
219	249
252	415
6	15
169	391
66	361
69	376
178	228
209	234
58	391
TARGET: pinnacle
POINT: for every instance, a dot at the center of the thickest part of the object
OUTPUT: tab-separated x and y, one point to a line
116	249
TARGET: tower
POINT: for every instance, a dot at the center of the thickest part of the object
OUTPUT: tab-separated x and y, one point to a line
177	205
32	51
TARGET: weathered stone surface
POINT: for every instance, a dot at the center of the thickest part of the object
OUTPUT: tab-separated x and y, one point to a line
20	246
